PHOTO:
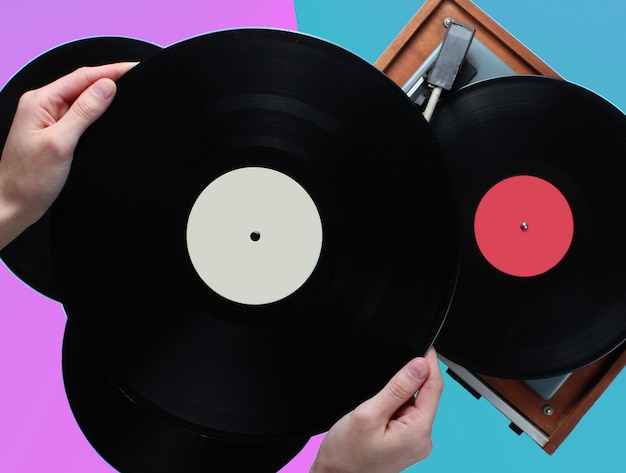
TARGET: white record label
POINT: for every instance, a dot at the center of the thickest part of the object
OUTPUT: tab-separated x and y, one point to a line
254	235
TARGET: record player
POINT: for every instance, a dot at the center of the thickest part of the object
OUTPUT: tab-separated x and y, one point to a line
546	409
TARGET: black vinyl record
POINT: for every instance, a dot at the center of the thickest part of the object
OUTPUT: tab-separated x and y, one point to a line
337	148
29	255
538	165
134	439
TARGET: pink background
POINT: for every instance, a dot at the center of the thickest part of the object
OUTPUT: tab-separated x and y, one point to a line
37	430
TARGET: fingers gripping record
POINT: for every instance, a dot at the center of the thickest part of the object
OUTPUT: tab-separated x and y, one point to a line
390	431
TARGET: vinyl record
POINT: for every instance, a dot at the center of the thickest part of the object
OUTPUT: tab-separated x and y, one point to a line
538	167
28	256
133	439
250	159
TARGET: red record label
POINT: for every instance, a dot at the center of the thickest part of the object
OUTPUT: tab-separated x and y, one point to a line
523	226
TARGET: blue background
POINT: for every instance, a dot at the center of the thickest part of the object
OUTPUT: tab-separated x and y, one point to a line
585	42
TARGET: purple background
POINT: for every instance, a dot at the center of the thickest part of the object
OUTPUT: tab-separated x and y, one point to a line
37	430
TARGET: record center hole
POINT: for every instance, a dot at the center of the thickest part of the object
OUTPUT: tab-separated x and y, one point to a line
255	236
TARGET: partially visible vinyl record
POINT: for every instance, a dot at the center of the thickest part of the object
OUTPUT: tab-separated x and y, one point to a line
538	165
134	439
257	233
28	255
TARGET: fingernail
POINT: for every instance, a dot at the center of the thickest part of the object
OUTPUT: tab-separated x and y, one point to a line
103	89
418	369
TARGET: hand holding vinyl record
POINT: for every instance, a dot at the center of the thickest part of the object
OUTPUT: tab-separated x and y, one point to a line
38	152
392	430
152	177
295	137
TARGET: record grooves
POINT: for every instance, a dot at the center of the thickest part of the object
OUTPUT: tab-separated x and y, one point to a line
565	311
354	144
136	440
29	255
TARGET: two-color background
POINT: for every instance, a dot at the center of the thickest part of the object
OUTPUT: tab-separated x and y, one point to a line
583	40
